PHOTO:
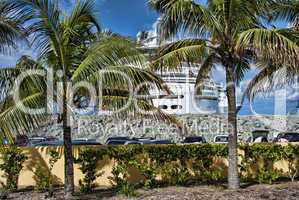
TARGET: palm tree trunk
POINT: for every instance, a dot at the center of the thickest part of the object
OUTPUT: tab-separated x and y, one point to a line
233	173
68	154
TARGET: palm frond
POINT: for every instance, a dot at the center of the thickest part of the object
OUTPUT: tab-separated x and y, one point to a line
45	26
227	5
180	16
287	10
270	44
82	14
109	51
172	55
126	78
270	77
243	64
12	26
14	121
204	71
138	107
8	77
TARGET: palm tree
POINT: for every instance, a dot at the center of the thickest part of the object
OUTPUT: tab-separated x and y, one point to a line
227	33
71	44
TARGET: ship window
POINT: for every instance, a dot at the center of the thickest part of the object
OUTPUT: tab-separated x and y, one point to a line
163	107
174	107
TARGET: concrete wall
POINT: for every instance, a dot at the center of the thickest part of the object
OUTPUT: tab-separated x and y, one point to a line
40	157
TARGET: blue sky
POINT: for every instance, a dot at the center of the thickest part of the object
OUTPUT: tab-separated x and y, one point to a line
125	17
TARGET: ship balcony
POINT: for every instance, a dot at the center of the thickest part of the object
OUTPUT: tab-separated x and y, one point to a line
179	79
208	95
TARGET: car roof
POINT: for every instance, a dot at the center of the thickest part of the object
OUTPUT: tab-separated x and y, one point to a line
120	141
37	138
60	143
194	137
221	136
118	138
289	133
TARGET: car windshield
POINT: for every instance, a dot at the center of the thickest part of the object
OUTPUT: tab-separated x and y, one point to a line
193	139
117	138
133	143
162	142
116	142
260	133
291	136
221	139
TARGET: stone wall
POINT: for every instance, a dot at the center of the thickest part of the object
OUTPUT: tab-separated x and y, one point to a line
100	128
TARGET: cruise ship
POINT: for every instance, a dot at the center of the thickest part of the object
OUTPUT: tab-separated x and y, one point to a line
185	98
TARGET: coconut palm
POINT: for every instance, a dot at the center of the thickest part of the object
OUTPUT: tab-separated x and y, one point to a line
73	49
226	33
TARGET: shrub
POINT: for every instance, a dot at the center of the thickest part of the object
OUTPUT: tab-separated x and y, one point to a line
168	161
291	155
41	179
186	164
88	160
44	178
125	157
182	165
127	189
263	157
147	168
13	160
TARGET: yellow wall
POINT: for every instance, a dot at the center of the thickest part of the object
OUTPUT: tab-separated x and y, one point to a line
39	157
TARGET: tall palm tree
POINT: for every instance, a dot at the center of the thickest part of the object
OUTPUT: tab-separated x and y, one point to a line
228	33
72	44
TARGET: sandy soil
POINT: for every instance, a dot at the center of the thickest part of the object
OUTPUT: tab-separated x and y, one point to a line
288	191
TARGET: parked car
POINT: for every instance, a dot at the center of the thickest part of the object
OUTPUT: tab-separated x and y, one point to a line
21	140
133	142
158	142
143	138
287	137
36	140
259	136
84	140
116	142
117	139
221	139
194	140
141	141
74	142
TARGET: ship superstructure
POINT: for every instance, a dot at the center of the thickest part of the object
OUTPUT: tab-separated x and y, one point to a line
186	98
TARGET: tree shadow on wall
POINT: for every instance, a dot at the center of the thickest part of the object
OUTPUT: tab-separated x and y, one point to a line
36	162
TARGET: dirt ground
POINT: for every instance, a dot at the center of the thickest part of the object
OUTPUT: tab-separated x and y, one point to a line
283	191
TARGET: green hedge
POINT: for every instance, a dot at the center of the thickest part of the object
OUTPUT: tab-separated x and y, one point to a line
192	164
176	164
168	165
258	162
